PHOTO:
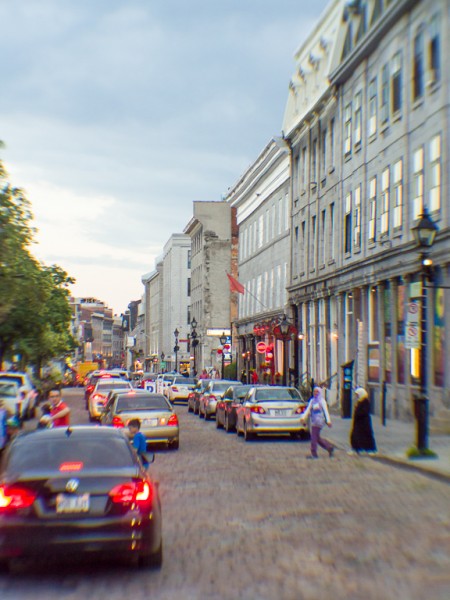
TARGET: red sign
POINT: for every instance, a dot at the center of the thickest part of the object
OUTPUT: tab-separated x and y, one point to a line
261	347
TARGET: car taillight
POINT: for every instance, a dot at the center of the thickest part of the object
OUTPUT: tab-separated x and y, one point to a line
14	497
117	422
174	388
173	420
300	410
134	492
89	388
257	409
213	398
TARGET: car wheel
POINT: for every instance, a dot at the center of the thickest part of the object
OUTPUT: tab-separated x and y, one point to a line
189	408
305	435
174	445
152	560
248	436
5	566
200	414
227	424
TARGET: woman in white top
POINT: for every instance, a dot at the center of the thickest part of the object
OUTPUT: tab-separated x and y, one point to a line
318	411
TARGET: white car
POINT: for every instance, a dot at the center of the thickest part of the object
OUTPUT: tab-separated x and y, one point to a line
27	389
97	400
180	388
10	398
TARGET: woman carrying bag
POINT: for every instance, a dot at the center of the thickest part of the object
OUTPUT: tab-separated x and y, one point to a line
318	411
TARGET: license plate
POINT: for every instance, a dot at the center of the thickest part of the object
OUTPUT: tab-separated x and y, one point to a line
66	503
278	412
150	422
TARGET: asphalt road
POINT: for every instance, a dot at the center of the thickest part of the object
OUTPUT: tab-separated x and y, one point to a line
257	521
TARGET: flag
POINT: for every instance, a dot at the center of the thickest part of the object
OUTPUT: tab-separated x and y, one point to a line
235	286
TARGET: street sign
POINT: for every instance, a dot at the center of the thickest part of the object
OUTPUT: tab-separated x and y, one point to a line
412	328
261	347
150	386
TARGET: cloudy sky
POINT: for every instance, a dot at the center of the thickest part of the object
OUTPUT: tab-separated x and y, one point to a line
118	114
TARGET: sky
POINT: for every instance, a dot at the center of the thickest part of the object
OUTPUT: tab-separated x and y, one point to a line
117	114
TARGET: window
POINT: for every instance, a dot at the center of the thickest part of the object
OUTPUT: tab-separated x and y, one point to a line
323	148
189	286
385	94
280	215
418	183
314	163
357	219
266	227
188	259
260	230
434	51
372	209
322	241
435	174
358	118
303	185
418	66
348	224
286	212
331	230
373	107
398	194
348	130
332	142
396	83
302	249
384	221
313	243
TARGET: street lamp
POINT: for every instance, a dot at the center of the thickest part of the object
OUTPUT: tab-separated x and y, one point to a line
176	333
194	343
424	234
163	356
223	340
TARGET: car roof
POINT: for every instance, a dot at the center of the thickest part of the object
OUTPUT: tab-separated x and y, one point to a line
84	431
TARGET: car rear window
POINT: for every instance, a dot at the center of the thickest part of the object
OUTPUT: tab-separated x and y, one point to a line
220	387
34	453
142	403
184	381
277	394
112	385
8	389
7	378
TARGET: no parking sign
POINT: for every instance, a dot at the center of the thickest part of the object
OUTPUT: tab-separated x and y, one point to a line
412	329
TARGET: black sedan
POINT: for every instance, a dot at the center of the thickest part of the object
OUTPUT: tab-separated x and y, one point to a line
66	491
226	406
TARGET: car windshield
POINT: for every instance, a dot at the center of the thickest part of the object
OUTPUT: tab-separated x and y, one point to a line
8	389
220	387
242	390
113	385
184	381
34	453
275	394
133	403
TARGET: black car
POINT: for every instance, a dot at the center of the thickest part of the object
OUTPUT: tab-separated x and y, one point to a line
66	491
194	396
226	406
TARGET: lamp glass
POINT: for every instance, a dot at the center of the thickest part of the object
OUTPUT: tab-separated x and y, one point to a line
425	231
284	326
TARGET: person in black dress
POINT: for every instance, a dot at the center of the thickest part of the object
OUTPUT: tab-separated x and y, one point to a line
361	437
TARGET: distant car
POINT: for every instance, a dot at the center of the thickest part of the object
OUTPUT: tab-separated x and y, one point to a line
214	391
163	381
194	395
85	492
227	405
92	381
97	400
26	386
180	389
271	409
10	398
159	422
147	382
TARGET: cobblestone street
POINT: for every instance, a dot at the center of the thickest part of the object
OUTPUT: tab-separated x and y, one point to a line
258	521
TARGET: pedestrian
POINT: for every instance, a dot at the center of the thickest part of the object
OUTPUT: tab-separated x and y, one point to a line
59	411
46	409
362	438
317	410
138	442
204	374
254	376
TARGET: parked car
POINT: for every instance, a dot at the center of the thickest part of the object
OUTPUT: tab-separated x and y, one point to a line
97	400
271	409
29	396
148	382
194	395
159	422
87	492
180	388
214	391
10	398
92	381
227	405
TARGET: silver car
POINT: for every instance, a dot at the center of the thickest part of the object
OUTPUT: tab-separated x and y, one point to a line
271	409
215	390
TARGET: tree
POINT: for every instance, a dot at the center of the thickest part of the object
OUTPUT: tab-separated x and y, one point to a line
35	314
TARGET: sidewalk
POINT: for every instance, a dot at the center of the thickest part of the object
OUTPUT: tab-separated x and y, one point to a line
393	440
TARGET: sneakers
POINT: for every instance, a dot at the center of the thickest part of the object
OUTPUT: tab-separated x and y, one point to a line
310	457
331	452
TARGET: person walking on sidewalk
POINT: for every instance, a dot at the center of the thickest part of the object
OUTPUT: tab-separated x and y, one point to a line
317	409
362	438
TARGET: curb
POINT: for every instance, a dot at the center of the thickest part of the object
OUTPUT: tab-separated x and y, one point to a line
410	466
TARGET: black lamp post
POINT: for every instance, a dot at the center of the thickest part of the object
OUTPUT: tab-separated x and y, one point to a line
194	342
176	333
424	234
223	340
284	326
